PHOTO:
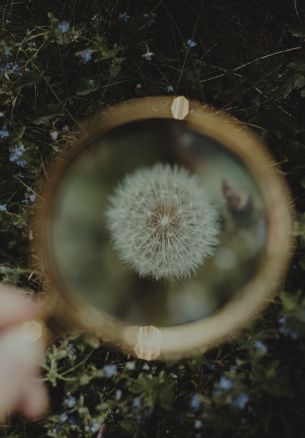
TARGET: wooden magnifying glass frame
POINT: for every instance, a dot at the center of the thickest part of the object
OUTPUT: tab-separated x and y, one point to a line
64	311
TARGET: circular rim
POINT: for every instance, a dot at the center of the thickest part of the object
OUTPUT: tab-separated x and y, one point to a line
185	339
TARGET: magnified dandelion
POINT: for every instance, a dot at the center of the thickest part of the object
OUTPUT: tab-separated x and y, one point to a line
162	222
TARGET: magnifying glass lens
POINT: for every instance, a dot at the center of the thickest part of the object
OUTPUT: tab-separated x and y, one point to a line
156	224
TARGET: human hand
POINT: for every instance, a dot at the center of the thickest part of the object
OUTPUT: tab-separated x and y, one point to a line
21	390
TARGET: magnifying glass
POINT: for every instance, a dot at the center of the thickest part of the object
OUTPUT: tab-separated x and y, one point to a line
164	230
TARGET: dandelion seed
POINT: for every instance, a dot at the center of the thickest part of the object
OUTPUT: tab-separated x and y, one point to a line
162	223
191	43
64	26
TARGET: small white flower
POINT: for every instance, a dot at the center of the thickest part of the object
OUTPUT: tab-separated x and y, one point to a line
162	222
191	43
54	135
148	55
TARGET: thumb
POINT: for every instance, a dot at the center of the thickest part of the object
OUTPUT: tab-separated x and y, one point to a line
15	306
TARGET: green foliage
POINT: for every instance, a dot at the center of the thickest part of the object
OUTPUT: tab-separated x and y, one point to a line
246	58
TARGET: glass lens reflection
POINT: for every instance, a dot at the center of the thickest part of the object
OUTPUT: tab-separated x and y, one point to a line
88	263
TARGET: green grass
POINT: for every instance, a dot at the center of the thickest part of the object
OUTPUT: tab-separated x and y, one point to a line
249	61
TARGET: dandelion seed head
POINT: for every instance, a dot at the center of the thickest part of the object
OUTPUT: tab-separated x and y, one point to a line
162	222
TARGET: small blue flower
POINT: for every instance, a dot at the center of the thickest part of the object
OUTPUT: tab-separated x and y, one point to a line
198	424
260	346
4	133
63	417
95	425
70	402
148	55
10	67
195	402
110	370
21	163
86	54
191	43
137	402
16	153
64	26
241	400
285	330
124	16
3	207
72	420
225	383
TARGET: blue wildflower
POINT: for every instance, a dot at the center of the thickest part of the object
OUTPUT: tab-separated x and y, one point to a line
137	402
285	330
95	425
195	402
63	417
70	402
10	67
124	16
260	346
4	132
110	370
148	55
64	26
86	54
16	153
191	43
3	207
225	383
241	400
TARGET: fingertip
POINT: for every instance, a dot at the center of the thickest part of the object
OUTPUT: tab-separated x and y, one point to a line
36	402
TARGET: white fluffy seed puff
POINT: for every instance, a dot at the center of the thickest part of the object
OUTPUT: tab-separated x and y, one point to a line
162	223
